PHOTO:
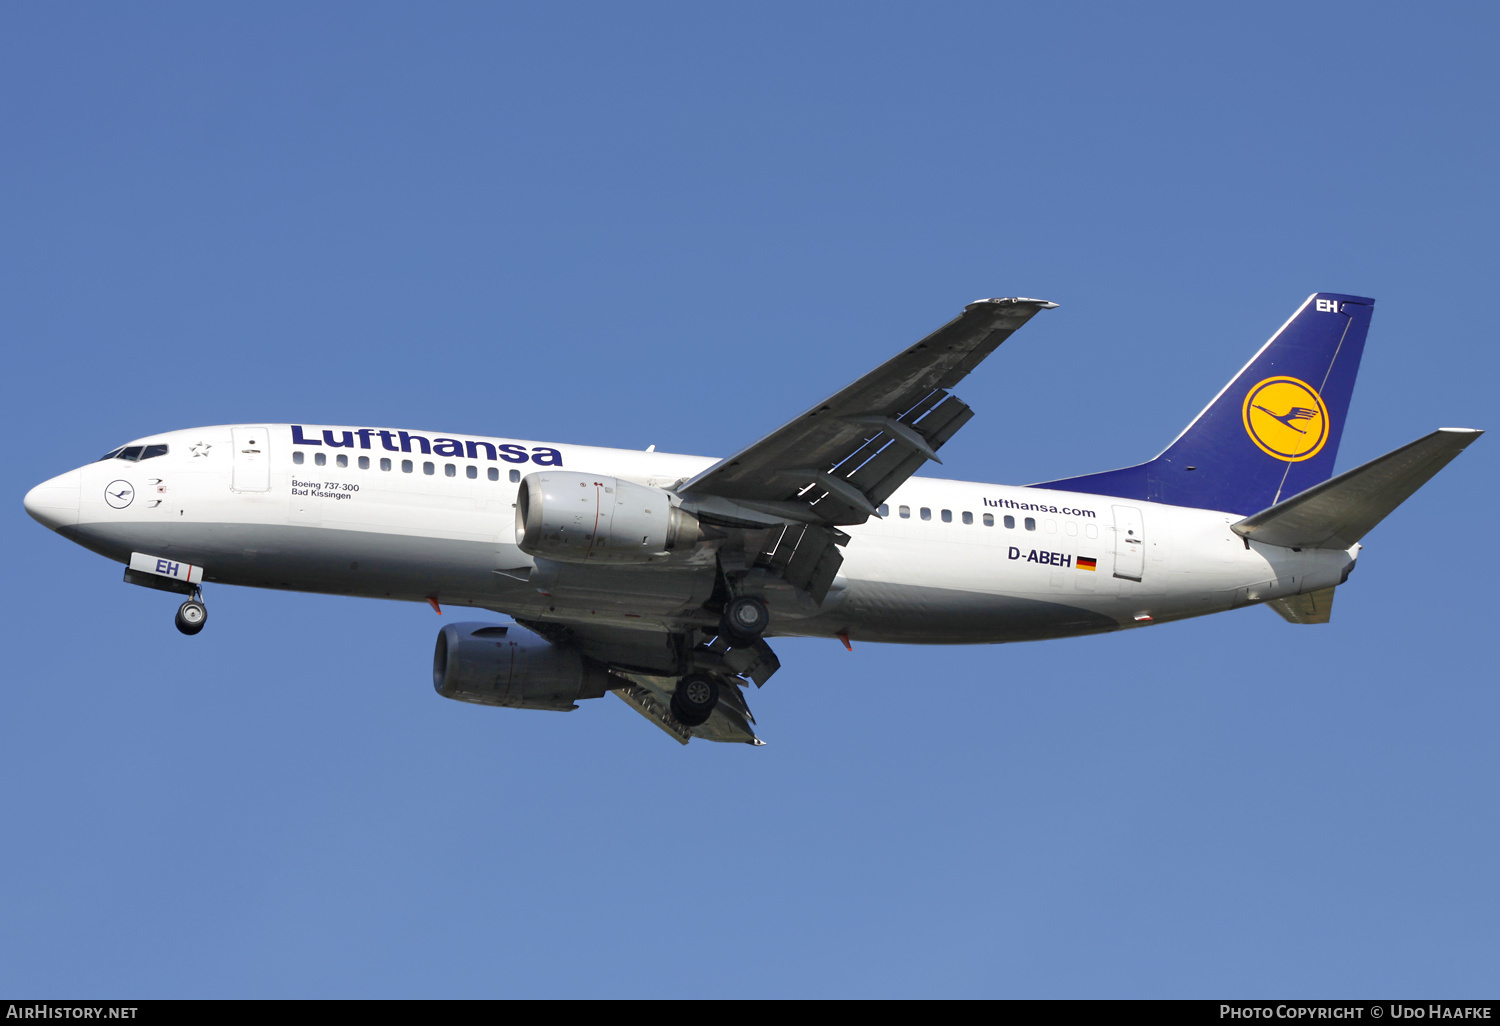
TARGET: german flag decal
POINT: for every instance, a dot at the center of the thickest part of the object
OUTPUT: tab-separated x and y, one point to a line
1085	563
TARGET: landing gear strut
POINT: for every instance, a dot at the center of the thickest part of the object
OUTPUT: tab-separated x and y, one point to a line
745	619
694	700
192	614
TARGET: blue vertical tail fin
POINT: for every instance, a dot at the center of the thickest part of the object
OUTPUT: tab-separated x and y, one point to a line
1272	432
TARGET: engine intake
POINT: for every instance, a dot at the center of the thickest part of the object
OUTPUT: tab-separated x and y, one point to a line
507	665
586	518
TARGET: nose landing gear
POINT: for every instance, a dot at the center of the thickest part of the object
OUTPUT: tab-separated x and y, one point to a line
192	614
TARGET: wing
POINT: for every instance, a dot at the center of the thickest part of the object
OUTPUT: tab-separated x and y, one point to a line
731	720
841	459
646	664
835	464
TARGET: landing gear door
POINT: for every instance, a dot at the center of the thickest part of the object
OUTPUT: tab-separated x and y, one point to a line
1130	543
252	459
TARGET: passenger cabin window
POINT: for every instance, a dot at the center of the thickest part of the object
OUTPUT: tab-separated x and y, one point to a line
947	516
428	468
385	464
449	470
989	520
471	472
515	475
884	510
1071	528
968	517
1031	523
320	458
406	466
364	463
926	513
905	512
1050	526
341	460
297	458
494	473
1010	522
1091	530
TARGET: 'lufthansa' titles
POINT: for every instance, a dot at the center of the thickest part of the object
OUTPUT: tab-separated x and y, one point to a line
404	441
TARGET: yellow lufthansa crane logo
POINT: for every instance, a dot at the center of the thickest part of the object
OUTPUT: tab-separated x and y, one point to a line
1286	418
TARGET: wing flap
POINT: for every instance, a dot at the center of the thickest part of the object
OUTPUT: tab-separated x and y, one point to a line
888	463
805	556
645	702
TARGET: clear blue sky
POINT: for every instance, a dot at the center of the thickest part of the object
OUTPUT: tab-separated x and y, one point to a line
679	225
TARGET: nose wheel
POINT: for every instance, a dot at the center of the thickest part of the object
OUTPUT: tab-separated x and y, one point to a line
192	614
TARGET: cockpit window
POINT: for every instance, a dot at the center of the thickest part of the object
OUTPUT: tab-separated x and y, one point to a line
135	453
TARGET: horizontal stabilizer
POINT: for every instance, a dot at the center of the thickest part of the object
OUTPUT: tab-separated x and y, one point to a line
1342	510
1314	607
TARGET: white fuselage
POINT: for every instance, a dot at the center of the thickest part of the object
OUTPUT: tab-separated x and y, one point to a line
951	562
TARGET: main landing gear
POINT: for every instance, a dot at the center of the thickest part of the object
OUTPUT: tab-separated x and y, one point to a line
694	700
745	619
738	649
192	614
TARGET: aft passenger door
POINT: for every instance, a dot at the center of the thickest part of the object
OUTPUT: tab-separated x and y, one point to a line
1130	543
252	459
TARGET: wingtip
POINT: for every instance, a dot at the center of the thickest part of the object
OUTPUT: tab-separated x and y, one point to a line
1041	304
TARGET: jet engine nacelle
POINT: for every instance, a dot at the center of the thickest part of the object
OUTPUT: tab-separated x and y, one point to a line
588	518
507	665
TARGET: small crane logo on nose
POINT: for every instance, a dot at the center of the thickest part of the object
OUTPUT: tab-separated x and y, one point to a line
119	494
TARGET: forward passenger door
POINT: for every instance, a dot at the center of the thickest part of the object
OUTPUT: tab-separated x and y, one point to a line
252	459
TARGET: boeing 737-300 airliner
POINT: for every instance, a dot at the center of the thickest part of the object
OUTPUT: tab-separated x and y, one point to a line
659	577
